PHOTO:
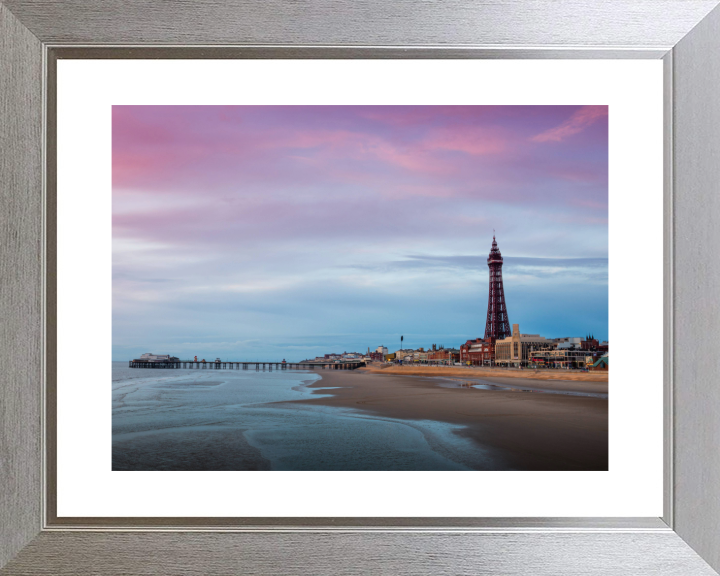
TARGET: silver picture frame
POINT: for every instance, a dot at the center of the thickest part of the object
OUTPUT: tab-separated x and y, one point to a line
685	34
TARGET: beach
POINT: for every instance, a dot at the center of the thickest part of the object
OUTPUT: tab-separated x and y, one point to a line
364	419
526	423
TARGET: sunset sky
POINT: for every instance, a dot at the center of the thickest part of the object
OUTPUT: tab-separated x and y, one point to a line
271	232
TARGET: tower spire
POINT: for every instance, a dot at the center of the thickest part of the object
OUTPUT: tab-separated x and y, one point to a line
497	325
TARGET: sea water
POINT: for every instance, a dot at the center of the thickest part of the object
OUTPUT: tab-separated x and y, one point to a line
175	419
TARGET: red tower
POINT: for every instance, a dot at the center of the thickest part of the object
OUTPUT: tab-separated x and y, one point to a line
497	325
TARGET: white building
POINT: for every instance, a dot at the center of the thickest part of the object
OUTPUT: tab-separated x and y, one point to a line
566	343
150	357
405	353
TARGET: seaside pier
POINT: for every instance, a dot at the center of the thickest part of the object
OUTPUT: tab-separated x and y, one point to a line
200	365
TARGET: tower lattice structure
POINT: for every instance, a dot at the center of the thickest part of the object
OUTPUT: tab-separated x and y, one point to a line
497	325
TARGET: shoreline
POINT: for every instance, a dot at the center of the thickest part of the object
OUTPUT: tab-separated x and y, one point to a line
523	427
477	372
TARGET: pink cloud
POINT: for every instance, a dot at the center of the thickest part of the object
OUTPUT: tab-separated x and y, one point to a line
580	120
359	146
471	140
246	155
405	116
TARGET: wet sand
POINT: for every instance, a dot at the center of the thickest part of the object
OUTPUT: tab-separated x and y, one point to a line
473	372
527	430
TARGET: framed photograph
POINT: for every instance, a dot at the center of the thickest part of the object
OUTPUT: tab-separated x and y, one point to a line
332	291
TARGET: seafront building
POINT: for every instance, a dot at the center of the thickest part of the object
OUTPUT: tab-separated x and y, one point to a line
602	364
515	349
478	352
434	355
404	353
560	358
444	356
378	355
591	343
563	343
345	356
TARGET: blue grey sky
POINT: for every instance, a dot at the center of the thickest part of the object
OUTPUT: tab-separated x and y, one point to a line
286	232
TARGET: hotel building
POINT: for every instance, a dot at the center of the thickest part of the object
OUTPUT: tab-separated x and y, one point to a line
515	349
478	352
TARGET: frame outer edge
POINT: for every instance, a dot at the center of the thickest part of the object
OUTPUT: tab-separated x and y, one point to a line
20	281
371	22
540	554
696	110
20	285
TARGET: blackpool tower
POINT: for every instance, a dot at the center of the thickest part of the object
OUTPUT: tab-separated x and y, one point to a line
497	325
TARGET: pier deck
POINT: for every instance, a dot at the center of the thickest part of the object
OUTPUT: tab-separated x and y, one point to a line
192	365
